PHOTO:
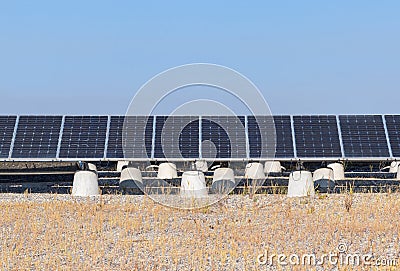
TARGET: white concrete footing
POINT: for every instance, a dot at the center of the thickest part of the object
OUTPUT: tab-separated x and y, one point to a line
193	184
85	184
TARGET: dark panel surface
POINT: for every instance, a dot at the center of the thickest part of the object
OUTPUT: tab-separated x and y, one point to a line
317	136
136	139
223	137
393	127
278	125
177	137
7	125
363	136
37	137
84	137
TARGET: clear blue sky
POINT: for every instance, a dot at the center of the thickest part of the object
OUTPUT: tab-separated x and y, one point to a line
307	57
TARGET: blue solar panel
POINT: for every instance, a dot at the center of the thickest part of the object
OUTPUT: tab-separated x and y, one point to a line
177	136
278	125
37	137
317	136
363	136
7	125
226	137
189	140
284	139
393	128
84	137
133	142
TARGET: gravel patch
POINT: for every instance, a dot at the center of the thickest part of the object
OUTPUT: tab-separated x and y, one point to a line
124	232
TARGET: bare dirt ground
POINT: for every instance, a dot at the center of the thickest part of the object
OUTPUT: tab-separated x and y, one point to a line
115	232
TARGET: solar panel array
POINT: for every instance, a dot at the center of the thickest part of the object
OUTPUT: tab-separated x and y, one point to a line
118	137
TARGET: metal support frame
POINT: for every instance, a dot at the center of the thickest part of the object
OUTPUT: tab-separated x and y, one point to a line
387	136
60	137
200	137
153	138
340	135
13	137
107	136
246	131
314	159
293	136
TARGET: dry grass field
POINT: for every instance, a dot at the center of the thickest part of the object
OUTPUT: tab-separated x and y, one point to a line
114	232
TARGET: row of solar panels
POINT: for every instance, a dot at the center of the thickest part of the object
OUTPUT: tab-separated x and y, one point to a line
318	136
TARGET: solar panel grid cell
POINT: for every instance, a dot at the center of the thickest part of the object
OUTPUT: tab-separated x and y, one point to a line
37	137
176	137
189	140
317	136
363	136
283	136
84	137
393	128
284	139
130	137
7	125
226	135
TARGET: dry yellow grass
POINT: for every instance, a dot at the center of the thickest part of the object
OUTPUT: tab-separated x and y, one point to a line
57	232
